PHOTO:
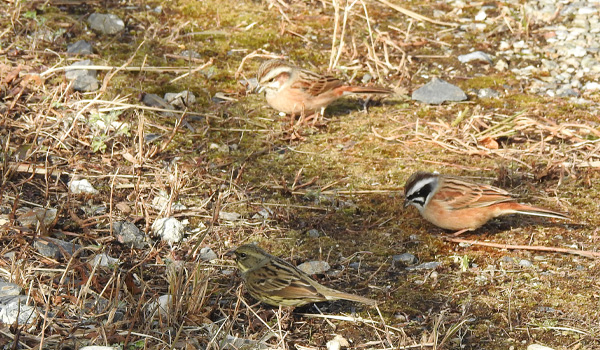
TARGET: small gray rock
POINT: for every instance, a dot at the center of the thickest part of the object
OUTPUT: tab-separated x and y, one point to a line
82	186
566	92
106	23
525	263
13	299
227	272
438	91
14	308
149	138
104	260
406	258
425	266
153	100
591	86
180	99
314	267
578	51
127	233
507	260
80	47
477	56
251	85
227	216
545	309
168	229
83	79
86	84
97	347
487	93
37	216
44	35
7	288
355	265
263	213
74	73
539	347
95	209
55	248
313	233
549	65
233	342
207	254
190	53
162	305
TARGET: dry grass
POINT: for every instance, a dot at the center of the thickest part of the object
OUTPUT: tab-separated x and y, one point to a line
343	179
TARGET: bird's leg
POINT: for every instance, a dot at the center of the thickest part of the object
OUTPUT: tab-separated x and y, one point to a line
292	131
318	119
302	118
460	232
285	318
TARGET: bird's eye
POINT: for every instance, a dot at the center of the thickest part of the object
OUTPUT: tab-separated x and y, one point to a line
242	255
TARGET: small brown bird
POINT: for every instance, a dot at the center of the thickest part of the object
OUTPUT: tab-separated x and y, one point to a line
273	281
454	203
293	90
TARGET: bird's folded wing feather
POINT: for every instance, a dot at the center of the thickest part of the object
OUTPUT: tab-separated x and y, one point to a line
460	195
315	84
281	279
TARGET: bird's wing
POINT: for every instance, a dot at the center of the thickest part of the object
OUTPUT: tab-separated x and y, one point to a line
280	279
316	84
459	194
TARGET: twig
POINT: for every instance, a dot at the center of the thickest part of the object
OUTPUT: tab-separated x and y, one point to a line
253	54
199	68
585	253
354	319
336	27
340	48
568	329
110	75
130	105
128	69
334	192
415	15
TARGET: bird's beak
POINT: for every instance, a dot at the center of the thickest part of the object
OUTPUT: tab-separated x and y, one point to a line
230	254
260	89
406	202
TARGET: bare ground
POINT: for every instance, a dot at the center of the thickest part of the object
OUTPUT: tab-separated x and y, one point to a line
343	178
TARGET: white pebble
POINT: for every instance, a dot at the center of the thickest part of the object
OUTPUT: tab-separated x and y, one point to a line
82	186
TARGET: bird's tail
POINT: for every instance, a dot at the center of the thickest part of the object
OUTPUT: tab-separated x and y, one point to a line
365	90
334	294
536	211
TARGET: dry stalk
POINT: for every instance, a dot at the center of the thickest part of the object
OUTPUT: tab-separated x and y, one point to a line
415	15
587	254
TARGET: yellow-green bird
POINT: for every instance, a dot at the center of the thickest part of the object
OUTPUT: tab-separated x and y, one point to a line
274	281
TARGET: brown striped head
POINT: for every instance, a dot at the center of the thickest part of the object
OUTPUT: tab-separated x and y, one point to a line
419	189
273	74
249	256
